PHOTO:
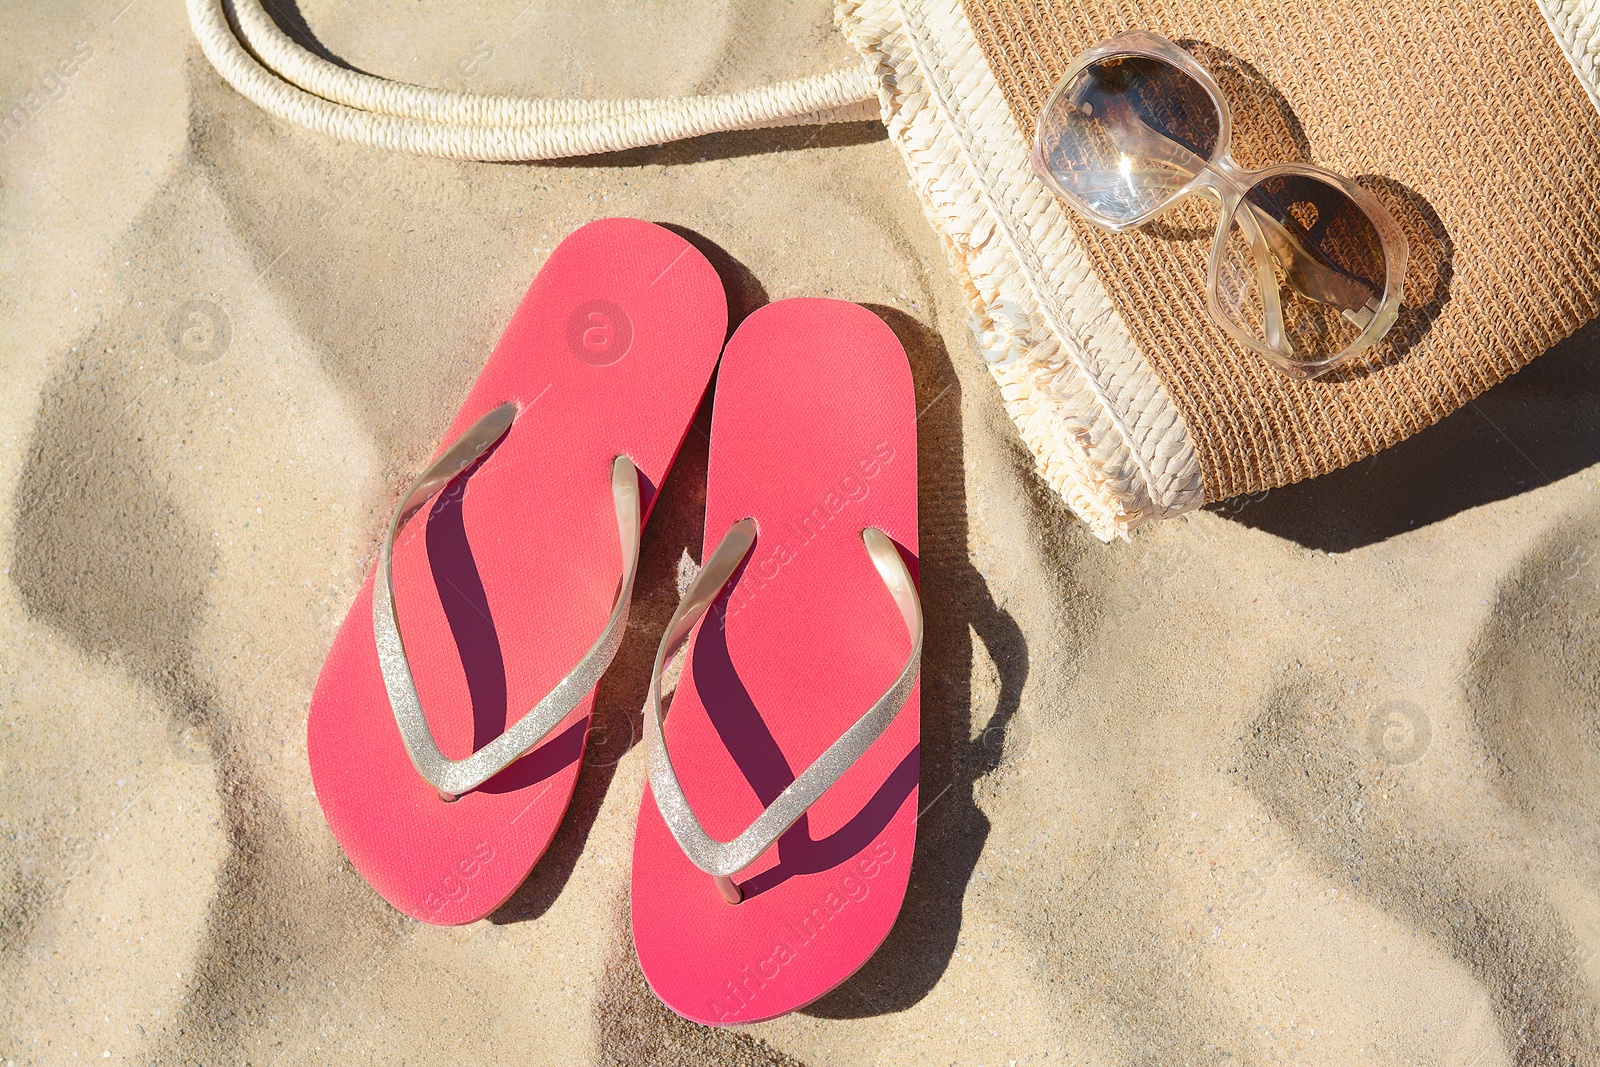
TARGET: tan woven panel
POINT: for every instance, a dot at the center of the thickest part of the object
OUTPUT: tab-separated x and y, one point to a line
1465	119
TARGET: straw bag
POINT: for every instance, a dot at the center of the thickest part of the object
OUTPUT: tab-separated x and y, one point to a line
1477	123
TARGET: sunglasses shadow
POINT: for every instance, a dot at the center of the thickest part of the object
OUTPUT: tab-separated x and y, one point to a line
1429	272
1265	128
1265	131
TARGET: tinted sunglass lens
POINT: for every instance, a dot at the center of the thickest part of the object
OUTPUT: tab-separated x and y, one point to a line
1303	271
1126	134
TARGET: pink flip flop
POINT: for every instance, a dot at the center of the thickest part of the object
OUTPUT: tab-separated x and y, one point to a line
445	762
775	839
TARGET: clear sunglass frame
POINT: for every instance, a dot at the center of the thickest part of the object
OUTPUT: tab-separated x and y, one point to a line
1225	183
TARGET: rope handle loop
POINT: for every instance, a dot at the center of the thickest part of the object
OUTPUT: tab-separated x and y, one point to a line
293	84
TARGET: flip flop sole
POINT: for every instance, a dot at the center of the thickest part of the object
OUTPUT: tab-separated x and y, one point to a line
814	436
512	575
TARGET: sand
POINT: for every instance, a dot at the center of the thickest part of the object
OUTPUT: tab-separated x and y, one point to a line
1306	779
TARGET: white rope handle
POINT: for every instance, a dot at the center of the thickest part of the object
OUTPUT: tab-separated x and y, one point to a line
307	90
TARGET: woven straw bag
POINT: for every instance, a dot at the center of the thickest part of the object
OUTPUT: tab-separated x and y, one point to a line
1477	123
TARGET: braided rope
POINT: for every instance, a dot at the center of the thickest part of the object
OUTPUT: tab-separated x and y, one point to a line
304	89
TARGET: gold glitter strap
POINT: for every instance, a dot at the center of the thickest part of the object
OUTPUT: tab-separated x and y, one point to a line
454	777
720	859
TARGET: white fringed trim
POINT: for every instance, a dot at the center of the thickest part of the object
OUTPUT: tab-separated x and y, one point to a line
301	88
1105	433
1576	24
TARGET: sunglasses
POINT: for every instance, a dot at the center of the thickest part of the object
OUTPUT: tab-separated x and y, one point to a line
1306	267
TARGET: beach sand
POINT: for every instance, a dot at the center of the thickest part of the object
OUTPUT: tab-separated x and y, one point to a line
1311	778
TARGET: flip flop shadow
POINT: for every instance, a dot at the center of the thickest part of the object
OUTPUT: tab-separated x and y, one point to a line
744	734
466	609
